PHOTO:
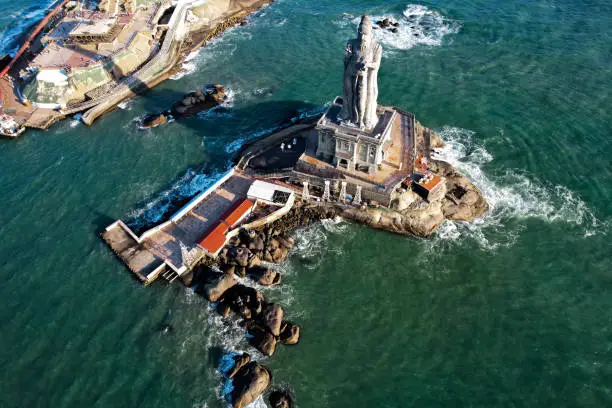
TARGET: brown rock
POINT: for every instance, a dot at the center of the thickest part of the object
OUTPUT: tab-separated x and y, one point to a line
215	290
280	399
272	318
239	362
290	333
249	383
154	121
262	340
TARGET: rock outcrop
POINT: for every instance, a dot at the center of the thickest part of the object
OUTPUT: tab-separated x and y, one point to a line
153	121
239	361
214	291
272	318
289	333
249	383
192	103
280	399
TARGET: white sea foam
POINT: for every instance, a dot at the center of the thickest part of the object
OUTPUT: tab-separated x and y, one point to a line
418	25
126	105
511	195
312	243
191	183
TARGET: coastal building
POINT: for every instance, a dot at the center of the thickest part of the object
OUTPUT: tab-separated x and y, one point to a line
355	133
429	186
350	147
201	228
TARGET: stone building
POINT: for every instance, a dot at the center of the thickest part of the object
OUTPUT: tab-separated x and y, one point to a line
350	147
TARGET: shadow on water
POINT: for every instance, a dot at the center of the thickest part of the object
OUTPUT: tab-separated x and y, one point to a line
238	125
100	221
215	354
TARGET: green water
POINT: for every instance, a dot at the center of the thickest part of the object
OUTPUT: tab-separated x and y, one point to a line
511	311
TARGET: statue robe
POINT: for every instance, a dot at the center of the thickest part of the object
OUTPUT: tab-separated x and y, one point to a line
360	86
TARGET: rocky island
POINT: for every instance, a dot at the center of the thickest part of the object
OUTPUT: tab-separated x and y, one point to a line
192	103
361	161
79	60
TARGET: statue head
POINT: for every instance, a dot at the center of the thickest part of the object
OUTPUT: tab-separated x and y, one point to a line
365	30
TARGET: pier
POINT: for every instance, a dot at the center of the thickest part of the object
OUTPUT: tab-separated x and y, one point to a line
201	228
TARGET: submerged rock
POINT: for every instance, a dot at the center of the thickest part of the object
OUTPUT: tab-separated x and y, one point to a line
152	121
280	399
290	333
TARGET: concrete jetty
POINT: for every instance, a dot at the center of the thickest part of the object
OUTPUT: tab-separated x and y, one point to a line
201	228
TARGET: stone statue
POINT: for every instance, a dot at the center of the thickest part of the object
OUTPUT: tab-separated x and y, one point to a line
360	90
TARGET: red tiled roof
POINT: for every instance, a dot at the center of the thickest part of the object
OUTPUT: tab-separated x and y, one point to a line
237	211
214	238
431	183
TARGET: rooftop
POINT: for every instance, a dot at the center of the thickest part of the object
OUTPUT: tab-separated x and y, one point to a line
94	27
331	120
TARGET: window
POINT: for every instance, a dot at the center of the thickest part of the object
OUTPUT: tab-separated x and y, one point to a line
346	146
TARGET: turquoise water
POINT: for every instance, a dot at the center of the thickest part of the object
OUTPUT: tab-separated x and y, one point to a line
513	310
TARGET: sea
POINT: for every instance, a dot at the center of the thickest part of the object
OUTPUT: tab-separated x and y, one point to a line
512	310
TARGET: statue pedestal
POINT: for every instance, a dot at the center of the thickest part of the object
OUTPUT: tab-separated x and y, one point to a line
348	146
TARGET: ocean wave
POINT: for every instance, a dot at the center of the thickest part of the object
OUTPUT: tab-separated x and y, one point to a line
313	244
188	66
187	186
22	19
418	25
511	195
126	105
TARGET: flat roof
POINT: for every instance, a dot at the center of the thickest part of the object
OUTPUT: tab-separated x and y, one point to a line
331	119
214	238
94	27
237	212
429	181
262	190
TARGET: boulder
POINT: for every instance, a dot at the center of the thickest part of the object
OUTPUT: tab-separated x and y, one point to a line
241	298
269	277
238	256
223	309
272	318
262	340
286	242
273	244
264	276
267	256
280	399
215	290
152	121
249	383
279	255
239	361
290	333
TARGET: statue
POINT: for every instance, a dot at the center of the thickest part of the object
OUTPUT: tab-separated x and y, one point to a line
360	86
